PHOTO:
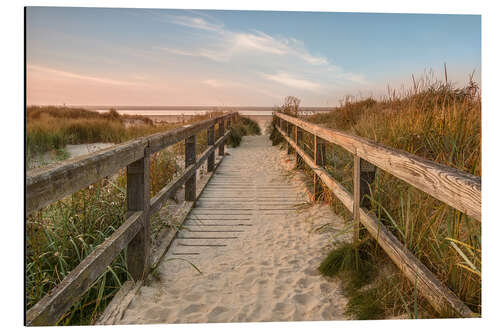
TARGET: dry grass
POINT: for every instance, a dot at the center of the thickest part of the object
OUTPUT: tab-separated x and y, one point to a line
441	123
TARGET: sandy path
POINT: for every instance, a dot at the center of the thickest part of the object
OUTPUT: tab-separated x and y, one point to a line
257	251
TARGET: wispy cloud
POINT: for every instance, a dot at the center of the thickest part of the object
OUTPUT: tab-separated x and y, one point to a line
195	22
259	42
216	83
291	81
51	71
204	53
234	42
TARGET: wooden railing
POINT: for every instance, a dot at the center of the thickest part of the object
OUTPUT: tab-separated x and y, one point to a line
455	188
47	185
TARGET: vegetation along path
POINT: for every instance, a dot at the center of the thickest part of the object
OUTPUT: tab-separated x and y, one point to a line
253	236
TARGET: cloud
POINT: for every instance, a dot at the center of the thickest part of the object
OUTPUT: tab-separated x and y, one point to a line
57	72
195	23
234	42
259	42
294	82
204	53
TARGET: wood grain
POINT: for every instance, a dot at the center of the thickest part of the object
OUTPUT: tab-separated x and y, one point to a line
60	299
457	189
47	185
438	295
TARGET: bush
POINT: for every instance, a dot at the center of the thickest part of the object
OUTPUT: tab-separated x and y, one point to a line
243	126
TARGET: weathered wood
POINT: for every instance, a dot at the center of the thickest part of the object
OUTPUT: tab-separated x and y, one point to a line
298	140
190	157
221	133
60	299
289	129
210	142
134	233
117	307
457	189
438	295
162	140
138	250
159	199
367	173
319	159
356	183
49	184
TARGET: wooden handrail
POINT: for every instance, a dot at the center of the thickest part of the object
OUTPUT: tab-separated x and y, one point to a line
49	184
438	295
53	183
456	188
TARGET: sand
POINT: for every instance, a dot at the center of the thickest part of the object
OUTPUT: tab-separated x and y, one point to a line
255	242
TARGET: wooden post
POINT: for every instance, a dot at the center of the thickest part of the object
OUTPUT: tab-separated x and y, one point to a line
211	141
363	177
221	134
319	159
138	250
190	154
298	141
288	133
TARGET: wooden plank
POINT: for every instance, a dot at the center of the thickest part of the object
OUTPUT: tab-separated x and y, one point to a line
455	188
49	184
116	308
190	158
138	250
60	299
438	295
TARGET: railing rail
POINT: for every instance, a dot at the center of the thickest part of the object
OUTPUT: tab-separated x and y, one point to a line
47	185
455	188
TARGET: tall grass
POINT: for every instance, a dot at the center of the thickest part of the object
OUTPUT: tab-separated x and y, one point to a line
441	123
52	128
243	126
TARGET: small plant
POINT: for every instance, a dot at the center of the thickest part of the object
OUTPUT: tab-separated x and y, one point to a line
243	126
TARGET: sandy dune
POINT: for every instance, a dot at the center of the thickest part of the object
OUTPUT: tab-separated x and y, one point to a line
254	241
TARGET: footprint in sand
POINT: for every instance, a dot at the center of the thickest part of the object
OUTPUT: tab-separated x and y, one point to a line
192	297
303	299
283	309
193	308
216	312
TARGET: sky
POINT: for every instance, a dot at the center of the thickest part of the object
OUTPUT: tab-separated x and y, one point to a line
99	56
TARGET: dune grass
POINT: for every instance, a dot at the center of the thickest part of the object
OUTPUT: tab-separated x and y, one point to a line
52	128
441	123
243	126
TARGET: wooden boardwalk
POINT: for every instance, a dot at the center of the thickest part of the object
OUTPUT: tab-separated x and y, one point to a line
250	230
252	237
